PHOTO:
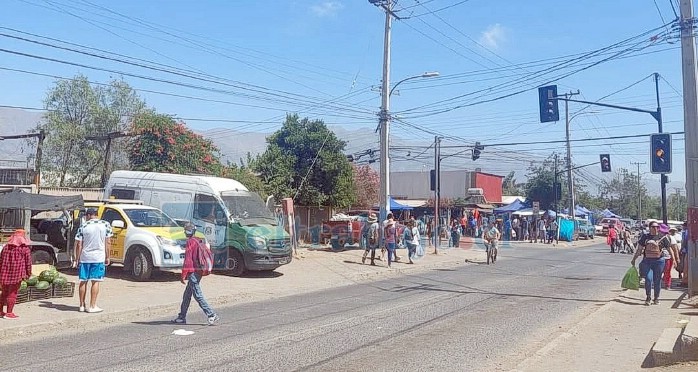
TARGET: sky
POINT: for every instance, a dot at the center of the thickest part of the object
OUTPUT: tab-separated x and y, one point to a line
231	66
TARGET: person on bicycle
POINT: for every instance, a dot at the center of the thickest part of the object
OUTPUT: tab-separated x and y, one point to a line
492	237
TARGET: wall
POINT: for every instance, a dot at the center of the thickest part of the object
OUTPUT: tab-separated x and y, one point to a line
491	185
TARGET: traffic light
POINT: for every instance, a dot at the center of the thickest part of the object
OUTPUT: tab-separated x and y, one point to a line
605	162
557	190
476	150
548	104
660	155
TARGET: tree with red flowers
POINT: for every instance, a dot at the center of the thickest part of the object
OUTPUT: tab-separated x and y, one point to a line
162	144
366	186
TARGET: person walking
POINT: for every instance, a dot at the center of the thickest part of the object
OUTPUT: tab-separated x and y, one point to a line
612	238
390	233
411	239
15	266
671	260
372	239
455	234
524	229
193	270
652	246
92	245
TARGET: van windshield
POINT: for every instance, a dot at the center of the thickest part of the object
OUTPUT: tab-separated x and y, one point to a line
149	218
248	208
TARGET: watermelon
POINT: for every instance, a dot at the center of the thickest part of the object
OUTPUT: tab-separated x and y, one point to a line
48	275
32	280
23	286
42	285
60	282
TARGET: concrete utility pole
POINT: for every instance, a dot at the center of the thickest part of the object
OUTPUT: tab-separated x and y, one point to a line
690	123
639	189
384	118
437	193
570	185
107	153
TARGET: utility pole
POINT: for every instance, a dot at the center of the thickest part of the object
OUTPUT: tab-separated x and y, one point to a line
690	123
570	185
107	153
639	189
555	189
678	203
384	116
437	193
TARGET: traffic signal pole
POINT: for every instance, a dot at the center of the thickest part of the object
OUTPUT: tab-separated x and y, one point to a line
690	123
662	177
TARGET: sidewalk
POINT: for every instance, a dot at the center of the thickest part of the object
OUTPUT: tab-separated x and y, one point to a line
617	336
124	300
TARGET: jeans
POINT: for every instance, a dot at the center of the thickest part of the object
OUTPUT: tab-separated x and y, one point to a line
653	276
411	250
391	252
194	289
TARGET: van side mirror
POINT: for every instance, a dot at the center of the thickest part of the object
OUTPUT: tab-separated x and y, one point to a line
118	224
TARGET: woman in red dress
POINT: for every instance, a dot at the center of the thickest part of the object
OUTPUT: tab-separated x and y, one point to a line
15	266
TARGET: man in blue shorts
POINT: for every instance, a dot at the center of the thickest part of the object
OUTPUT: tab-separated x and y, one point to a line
92	250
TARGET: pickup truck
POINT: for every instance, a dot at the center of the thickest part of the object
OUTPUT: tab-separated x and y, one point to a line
585	229
606	222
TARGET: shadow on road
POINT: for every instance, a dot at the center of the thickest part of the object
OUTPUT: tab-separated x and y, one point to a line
59	307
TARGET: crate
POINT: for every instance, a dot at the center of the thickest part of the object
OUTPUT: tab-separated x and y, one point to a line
22	295
68	290
40	294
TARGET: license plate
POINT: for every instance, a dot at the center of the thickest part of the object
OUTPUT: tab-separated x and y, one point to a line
284	260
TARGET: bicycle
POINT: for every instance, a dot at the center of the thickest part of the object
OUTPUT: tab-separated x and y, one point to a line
491	250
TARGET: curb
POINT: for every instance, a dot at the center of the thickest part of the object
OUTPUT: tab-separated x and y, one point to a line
676	345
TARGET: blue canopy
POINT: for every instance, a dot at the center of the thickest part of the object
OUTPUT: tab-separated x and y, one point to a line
513	207
395	206
608	214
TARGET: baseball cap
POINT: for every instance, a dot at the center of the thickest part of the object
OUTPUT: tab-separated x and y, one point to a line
91	211
189	229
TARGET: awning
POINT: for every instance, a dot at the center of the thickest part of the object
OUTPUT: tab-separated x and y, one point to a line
18	199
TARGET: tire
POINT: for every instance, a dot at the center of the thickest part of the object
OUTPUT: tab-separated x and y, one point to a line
235	263
40	256
141	265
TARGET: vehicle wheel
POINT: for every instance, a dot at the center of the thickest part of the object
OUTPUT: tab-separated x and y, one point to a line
236	263
141	265
41	257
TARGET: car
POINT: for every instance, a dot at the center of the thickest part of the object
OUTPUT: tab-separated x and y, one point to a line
606	222
585	229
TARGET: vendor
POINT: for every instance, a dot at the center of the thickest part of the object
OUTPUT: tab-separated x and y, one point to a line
15	266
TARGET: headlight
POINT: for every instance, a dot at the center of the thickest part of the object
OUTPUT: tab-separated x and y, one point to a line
257	242
166	241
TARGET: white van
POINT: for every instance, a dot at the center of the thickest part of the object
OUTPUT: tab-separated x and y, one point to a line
242	231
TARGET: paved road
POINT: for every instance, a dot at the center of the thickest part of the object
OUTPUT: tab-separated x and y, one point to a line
473	317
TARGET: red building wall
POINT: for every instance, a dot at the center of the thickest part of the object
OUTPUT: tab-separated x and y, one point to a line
491	185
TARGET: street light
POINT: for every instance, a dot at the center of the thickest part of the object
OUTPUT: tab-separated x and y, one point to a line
384	125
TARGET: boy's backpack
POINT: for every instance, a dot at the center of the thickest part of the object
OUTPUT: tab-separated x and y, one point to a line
204	259
373	234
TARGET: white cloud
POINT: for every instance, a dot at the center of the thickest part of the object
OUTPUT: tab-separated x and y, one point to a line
493	36
327	8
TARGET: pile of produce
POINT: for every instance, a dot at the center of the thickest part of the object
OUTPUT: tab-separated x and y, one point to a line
45	279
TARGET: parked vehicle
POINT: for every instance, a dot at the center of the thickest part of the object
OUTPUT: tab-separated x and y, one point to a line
145	239
21	208
584	228
242	231
606	222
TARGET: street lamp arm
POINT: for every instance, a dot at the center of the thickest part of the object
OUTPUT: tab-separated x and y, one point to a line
424	75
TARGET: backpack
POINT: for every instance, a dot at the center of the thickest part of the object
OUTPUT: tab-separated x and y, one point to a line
204	259
373	234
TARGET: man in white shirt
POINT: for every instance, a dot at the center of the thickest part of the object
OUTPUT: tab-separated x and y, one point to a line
92	245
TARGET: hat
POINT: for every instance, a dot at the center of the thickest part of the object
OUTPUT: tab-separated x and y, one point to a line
663	228
672	228
189	229
372	218
18	238
91	211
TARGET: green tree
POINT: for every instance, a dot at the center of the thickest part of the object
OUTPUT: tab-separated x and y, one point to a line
623	192
306	159
366	186
76	109
162	144
539	186
510	186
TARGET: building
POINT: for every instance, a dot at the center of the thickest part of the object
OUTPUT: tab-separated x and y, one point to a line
454	184
16	176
